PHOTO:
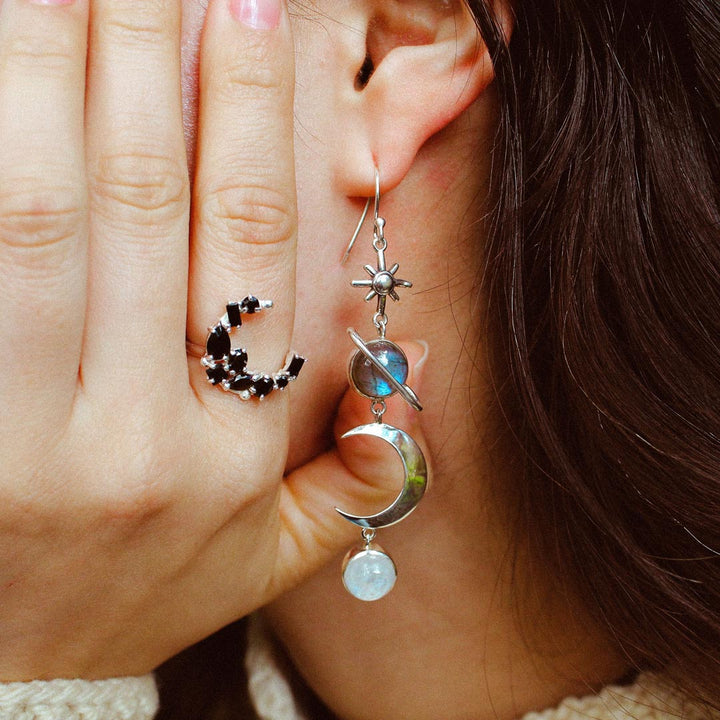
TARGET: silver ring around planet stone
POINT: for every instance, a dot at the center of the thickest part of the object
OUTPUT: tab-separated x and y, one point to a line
226	367
379	369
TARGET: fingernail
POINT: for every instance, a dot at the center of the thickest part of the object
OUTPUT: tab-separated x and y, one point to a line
417	353
257	14
425	352
52	2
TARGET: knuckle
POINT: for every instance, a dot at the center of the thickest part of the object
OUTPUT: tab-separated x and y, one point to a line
251	214
133	503
36	219
140	487
256	73
132	23
123	460
53	54
263	469
147	188
243	81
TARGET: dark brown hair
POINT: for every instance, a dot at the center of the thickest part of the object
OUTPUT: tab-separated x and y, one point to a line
603	269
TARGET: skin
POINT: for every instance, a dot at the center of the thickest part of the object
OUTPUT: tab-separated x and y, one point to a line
110	567
431	640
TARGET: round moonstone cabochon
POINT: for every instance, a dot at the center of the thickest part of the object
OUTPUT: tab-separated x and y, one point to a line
365	377
368	573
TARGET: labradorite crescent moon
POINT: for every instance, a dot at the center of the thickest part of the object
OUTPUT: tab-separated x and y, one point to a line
416	476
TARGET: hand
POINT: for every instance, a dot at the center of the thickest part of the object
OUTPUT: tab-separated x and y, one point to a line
141	508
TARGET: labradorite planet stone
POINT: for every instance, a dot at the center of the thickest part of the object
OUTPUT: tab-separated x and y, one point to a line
366	378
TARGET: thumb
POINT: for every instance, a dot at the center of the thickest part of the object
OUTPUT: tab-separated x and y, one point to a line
361	475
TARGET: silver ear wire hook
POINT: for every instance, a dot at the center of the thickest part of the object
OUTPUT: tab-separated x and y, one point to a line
356	233
377	194
363	216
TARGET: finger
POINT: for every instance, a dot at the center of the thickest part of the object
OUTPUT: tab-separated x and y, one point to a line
244	224
295	531
361	476
139	195
42	204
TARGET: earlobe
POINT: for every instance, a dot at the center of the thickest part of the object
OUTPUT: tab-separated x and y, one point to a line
422	63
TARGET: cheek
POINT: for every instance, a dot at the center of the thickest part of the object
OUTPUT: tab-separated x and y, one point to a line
326	306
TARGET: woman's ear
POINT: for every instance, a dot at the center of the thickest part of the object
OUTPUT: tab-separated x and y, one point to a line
416	65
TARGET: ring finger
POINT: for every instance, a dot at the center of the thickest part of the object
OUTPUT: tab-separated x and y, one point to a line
244	207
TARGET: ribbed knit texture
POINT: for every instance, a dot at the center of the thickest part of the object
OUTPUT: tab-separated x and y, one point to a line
649	698
270	692
115	699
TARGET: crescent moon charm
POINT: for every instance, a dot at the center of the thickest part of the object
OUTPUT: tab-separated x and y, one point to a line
416	476
227	368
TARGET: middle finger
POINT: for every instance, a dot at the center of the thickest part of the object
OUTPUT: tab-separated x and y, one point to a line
139	195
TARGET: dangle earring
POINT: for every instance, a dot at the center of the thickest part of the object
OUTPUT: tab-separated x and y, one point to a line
378	370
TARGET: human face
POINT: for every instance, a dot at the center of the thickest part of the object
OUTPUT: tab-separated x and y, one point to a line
434	230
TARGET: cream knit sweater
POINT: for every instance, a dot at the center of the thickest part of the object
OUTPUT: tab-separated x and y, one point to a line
137	699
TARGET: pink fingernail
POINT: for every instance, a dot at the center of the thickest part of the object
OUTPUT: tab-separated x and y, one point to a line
257	14
52	2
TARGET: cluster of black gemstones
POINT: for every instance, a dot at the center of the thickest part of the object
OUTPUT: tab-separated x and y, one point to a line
227	367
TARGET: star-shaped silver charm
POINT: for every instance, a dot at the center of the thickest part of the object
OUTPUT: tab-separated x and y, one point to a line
382	282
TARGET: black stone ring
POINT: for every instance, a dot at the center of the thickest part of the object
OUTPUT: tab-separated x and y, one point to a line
227	367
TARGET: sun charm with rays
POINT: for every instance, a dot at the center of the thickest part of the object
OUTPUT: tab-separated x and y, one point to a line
382	282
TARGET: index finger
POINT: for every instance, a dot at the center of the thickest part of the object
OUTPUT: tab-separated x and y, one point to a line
244	206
